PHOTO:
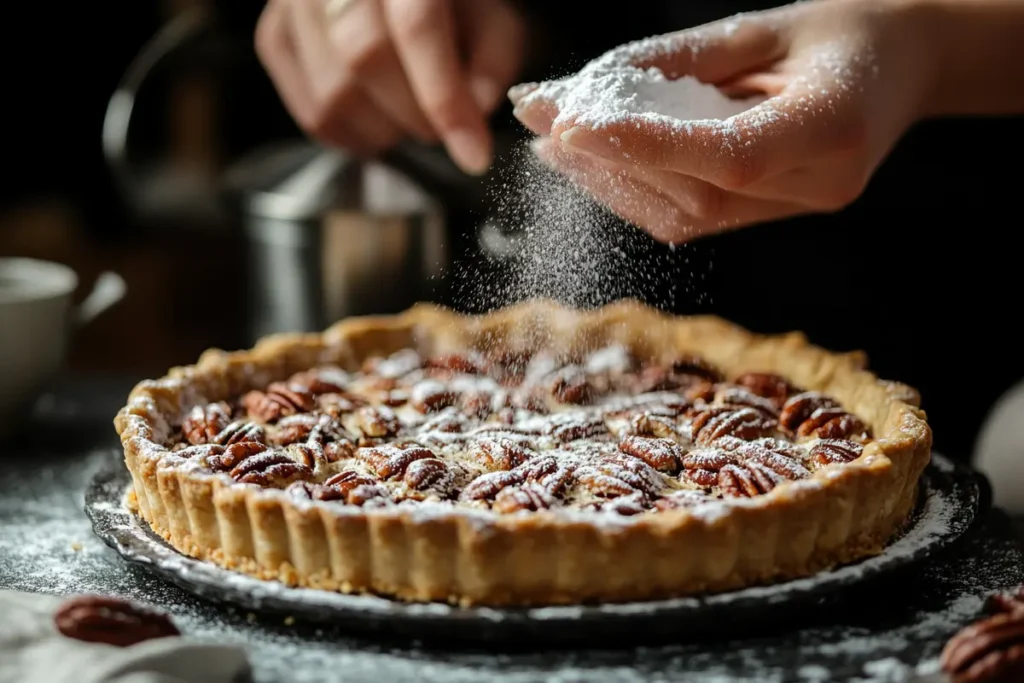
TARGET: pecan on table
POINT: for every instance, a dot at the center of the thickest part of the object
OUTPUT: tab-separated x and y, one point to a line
390	460
714	422
661	454
112	621
988	651
829	451
278	400
204	422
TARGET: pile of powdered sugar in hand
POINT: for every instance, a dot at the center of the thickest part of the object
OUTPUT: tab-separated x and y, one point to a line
612	87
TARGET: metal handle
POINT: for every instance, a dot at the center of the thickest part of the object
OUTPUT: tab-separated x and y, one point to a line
175	35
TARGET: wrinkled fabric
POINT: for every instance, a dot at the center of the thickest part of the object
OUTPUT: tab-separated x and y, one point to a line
33	651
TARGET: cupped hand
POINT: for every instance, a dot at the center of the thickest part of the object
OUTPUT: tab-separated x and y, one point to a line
836	82
365	74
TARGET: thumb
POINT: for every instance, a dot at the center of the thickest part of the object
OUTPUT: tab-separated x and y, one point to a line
711	53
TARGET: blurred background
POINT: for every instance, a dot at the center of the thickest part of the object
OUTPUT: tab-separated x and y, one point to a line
195	185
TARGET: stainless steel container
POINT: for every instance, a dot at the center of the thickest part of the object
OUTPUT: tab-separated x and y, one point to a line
331	236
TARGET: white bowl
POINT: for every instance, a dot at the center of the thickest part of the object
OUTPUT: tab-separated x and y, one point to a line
37	322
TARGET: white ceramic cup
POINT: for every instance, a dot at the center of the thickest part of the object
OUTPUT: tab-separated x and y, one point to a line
37	322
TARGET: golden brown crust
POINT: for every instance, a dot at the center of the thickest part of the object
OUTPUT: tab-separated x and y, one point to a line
841	514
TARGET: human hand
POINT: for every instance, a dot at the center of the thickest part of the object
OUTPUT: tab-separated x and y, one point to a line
369	73
839	81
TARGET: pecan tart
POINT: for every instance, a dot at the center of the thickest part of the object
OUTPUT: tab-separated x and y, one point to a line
534	455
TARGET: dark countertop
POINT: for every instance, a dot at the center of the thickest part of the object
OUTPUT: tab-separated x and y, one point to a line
881	631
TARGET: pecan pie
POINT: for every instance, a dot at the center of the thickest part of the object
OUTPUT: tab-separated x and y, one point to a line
534	455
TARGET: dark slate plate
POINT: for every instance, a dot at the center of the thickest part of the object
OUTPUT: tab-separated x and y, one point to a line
948	504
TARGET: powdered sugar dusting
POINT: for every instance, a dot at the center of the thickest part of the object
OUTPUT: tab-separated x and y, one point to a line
47	546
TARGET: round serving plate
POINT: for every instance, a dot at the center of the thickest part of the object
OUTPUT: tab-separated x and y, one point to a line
949	501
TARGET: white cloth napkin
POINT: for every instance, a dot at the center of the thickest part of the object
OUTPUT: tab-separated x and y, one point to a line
33	651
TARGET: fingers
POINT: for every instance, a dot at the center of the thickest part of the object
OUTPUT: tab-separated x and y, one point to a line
276	50
711	53
363	46
426	41
781	133
671	207
496	50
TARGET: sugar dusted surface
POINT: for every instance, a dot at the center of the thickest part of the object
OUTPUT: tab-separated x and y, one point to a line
860	646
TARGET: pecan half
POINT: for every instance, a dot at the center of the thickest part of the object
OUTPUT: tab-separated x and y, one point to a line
747	480
455	362
628	505
428	473
571	385
990	650
296	428
487	486
349	487
377	422
204	423
830	451
500	454
325	380
430	396
390	461
703	464
530	497
337	405
279	400
661	454
714	422
531	399
696	366
109	620
738	396
582	428
619	476
766	385
800	407
234	455
831	423
651	425
270	468
239	431
777	456
680	499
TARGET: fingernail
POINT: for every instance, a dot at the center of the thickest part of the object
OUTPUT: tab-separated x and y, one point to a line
486	92
468	151
518	92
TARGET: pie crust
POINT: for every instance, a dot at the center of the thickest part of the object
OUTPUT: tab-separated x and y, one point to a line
839	514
